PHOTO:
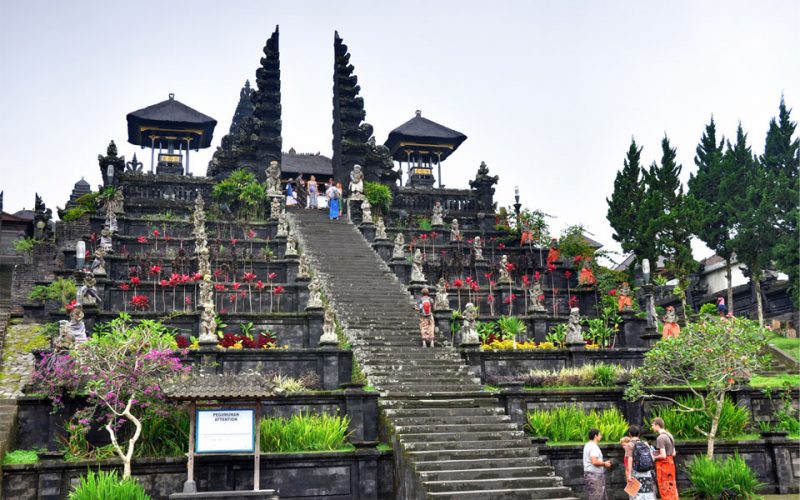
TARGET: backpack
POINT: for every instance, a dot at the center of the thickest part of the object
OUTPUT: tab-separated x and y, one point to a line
425	307
642	457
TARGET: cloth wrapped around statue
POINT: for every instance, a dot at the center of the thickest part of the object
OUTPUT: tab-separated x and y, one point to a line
426	325
671	326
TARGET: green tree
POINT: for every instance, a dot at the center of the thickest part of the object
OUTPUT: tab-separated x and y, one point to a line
755	214
781	160
721	353
625	204
712	188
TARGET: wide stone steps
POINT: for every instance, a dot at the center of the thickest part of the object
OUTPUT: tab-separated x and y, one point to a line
455	437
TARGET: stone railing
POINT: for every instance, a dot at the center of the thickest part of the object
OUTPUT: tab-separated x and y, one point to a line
455	202
141	188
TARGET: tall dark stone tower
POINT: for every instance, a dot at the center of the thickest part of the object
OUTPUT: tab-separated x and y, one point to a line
254	138
350	135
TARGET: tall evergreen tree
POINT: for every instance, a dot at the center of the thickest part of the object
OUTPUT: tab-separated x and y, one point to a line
755	213
625	202
781	160
712	188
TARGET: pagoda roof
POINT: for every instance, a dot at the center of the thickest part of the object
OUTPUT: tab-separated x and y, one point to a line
306	164
170	118
420	131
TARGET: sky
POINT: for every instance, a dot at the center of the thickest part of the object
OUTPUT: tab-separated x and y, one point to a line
549	93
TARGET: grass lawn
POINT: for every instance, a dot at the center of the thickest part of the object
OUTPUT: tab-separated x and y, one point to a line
789	346
775	380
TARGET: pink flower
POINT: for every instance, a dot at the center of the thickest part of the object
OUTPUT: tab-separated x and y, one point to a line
156	233
248	277
423	237
236	286
219	287
234	241
141	239
187	301
259	285
488	276
272	276
124	287
501	246
197	277
135	280
278	290
458	283
573	301
155	269
509	267
251	234
163	283
526	281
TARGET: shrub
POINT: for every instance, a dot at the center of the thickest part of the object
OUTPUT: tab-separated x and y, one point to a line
74	213
20	457
304	432
712	479
571	423
684	425
164	435
379	196
558	335
62	290
510	327
104	485
24	246
604	375
709	309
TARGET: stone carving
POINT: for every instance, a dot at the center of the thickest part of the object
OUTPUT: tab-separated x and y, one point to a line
378	162
469	333
314	294
380	230
106	243
478	247
64	340
417	275
535	295
273	179
399	244
671	327
276	207
117	163
329	329
111	222
455	232
115	204
505	276
283	226
574	332
624	298
291	245
484	187
98	266
442	302
77	329
87	293
42	220
357	183
366	212
304	270
208	321
134	166
437	218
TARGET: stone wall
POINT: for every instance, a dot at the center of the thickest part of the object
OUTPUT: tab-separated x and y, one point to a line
776	462
38	268
365	473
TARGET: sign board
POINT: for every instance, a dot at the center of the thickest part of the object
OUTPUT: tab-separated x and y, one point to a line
225	431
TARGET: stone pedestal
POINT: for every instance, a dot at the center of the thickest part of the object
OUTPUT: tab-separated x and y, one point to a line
511	395
384	248
302	291
443	318
292	266
368	230
632	330
537	325
650	337
316	318
471	354
401	269
481	268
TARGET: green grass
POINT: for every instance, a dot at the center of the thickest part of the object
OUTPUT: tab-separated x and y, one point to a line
775	380
304	432
571	423
787	345
384	447
21	457
103	485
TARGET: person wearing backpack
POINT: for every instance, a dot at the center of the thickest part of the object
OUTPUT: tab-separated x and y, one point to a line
426	325
665	461
640	465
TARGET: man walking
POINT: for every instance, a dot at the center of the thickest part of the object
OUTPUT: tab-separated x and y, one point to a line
665	461
594	467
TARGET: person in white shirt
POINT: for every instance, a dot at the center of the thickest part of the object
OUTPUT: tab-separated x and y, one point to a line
594	467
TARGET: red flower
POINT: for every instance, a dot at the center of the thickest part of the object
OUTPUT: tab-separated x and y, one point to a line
183	342
140	303
474	286
501	246
197	277
156	233
492	283
187	301
471	240
174	278
167	238
251	234
71	305
537	275
434	234
612	292
458	283
573	301
577	259
217	272
232	297
541	297
93	237
248	277
141	239
509	267
243	294
163	283
219	287
490	298
551	267
272	276
567	274
124	287
278	289
423	237
469	279
185	278
526	281
508	300
135	280
236	286
488	275
234	241
155	269
259	285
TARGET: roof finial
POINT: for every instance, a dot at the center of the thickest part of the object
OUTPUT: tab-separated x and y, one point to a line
171	96
418	112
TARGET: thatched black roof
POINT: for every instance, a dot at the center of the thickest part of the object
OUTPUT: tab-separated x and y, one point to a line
166	116
422	131
200	386
306	164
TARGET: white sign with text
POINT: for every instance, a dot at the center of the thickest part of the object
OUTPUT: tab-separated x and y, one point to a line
225	430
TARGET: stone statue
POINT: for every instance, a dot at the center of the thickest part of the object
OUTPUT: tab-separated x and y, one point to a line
357	183
291	246
314	293
455	233
208	324
115	203
276	207
469	334
624	298
64	341
329	329
671	327
437	218
442	302
87	294
111	222
574	332
417	275
304	270
366	212
98	266
106	243
478	247
380	230
505	276
399	251
535	297
42	220
77	329
283	226
273	179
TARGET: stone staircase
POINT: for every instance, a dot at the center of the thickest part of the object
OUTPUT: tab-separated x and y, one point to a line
451	440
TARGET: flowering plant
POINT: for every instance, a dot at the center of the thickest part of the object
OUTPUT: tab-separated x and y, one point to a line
140	303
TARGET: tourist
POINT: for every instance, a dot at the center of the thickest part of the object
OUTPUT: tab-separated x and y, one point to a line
722	309
334	198
300	190
312	192
665	461
341	195
426	325
640	465
594	467
625	442
290	199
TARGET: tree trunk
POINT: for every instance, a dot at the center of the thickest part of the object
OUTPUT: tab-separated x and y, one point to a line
729	274
759	304
714	425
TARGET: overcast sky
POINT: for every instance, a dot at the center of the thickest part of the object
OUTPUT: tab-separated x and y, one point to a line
548	93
